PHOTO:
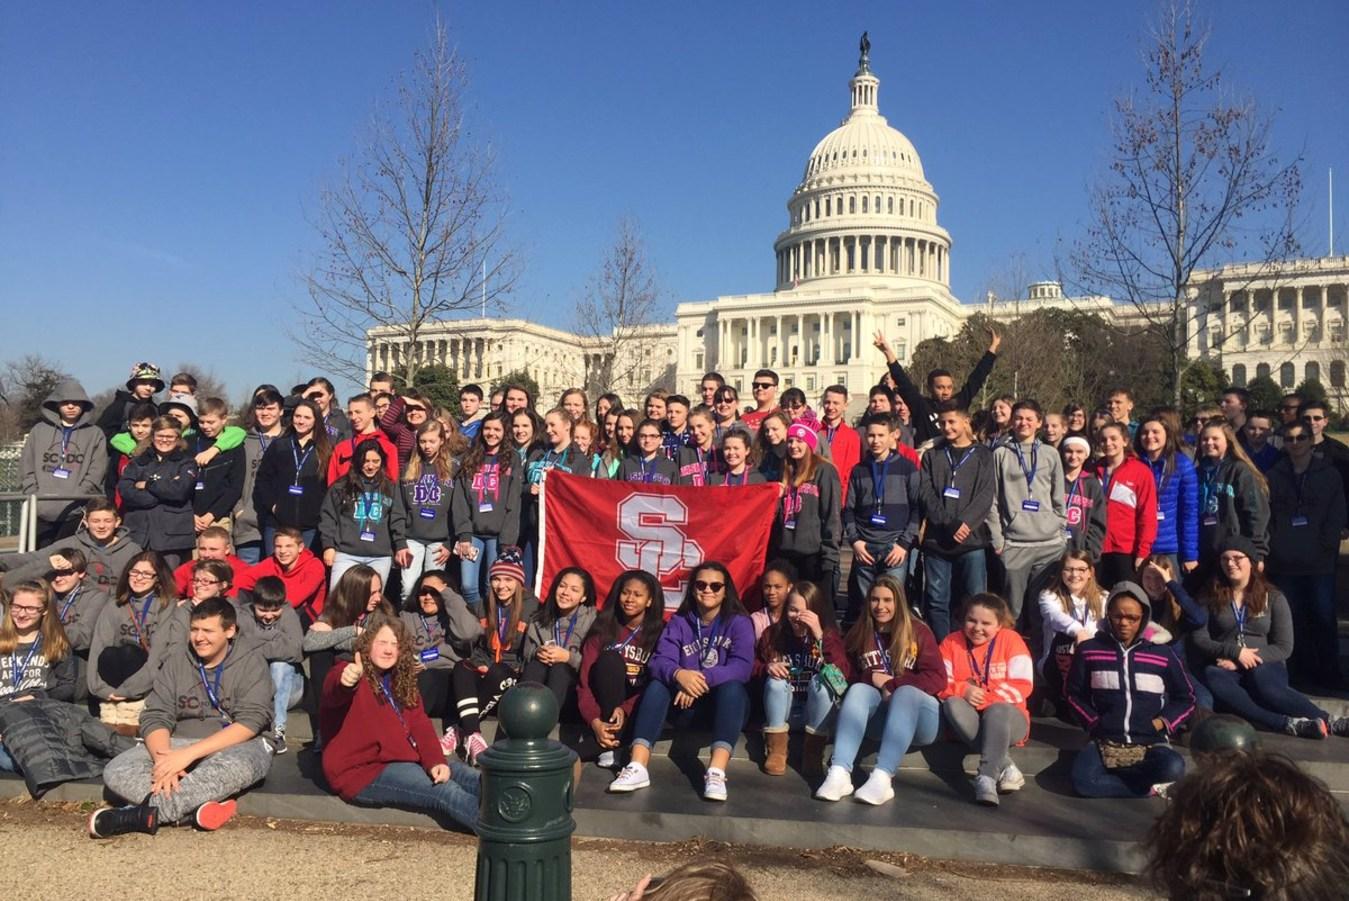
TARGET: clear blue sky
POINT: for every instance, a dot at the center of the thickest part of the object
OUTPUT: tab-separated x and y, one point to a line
156	159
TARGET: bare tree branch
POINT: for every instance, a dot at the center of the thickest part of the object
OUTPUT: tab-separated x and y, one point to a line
620	302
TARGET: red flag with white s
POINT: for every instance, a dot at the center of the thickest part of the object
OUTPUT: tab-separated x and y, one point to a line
607	527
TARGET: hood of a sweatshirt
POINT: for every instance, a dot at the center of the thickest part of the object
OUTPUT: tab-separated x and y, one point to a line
1134	591
68	390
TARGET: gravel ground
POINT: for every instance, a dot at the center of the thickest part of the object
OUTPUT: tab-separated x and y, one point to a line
291	860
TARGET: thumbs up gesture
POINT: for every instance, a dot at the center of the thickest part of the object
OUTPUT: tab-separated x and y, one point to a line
352	674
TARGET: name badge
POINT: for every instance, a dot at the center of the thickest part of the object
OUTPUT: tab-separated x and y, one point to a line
1030	505
61	472
426	512
367	534
877	519
296	489
1299	521
789	525
1210	519
1068	531
1161	515
429	654
201	486
952	492
485	507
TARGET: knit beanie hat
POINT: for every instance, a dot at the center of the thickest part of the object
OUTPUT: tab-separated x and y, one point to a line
146	372
805	433
509	562
1241	544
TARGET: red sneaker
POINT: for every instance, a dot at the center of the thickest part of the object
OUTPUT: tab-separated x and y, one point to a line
214	814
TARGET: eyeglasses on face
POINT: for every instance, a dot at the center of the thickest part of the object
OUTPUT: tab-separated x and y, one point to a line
708	586
24	608
1295	439
141	574
204	580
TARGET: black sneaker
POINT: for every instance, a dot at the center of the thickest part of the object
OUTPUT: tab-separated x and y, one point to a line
110	821
277	740
1339	725
1306	727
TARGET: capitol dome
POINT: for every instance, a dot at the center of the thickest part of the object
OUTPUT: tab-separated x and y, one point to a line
863	207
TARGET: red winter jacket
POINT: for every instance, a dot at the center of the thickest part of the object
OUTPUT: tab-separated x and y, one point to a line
306	581
362	735
1130	508
845	449
339	464
182	576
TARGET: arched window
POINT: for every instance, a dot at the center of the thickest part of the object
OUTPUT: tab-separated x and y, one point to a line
864	203
1312	371
890	205
828	204
1337	374
1239	375
1287	375
1262	371
878	203
852	203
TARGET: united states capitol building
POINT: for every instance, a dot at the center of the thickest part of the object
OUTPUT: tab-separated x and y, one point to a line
863	250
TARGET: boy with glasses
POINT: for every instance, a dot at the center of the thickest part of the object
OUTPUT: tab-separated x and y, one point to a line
1316	415
201	727
765	387
1306	520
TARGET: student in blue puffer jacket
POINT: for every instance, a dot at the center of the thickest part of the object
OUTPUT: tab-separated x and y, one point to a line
1177	493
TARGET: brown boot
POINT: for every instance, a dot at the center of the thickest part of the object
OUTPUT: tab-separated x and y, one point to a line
812	756
775	756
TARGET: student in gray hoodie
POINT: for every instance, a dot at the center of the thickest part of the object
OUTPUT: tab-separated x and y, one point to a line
201	725
64	454
1027	521
363	520
443	630
553	639
956	490
485	507
106	544
269	625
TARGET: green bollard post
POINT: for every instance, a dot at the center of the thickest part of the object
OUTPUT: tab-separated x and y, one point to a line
524	818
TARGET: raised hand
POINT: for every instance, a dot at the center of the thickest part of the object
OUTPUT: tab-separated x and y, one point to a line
352	674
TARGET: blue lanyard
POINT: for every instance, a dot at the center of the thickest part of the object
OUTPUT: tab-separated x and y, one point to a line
647	476
1073	490
1240	614
878	470
711	645
829	434
386	687
426	624
70	600
503	629
213	694
300	460
20	670
557	631
66	432
1034	462
145	613
982	678
1159	476
744	479
622	645
1208	477
264	441
955	467
883	653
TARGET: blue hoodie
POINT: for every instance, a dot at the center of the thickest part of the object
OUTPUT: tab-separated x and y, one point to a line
731	638
1177	509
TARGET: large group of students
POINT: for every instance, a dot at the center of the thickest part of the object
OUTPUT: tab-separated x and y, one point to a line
201	576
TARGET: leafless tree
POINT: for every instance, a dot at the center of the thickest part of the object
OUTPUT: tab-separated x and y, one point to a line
25	384
208	383
1193	182
620	303
413	228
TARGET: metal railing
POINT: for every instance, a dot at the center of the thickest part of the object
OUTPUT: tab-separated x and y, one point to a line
22	508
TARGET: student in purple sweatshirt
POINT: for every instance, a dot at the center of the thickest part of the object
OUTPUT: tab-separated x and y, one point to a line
702	664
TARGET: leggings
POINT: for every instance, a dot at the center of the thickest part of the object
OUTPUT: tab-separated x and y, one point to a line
476	694
433	684
559	678
1261	695
991	731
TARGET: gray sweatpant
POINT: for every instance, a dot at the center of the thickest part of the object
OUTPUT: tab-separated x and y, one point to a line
215	778
991	733
1024	565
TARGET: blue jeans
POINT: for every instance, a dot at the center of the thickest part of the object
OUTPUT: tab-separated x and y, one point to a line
782	708
867	575
950	580
727	704
287	689
7	764
1316	652
423	560
473	573
407	785
1262	695
250	552
1092	780
910	719
343	562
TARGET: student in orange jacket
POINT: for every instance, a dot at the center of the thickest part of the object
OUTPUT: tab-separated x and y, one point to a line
989	675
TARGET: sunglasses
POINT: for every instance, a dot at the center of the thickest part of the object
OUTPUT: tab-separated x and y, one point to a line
428	593
708	586
1295	439
414	408
762	386
62	573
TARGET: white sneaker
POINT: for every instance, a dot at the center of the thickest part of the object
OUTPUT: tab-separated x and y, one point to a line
1011	779
837	785
607	760
714	785
985	791
878	789
630	778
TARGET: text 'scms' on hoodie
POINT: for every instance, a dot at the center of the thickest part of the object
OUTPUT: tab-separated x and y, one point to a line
64	458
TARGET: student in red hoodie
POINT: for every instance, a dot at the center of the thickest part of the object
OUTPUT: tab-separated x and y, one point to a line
789	658
843	442
613	664
896	674
380	748
364	427
303	574
989	675
1130	506
213	543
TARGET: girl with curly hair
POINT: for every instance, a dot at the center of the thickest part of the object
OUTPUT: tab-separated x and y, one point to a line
380	747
